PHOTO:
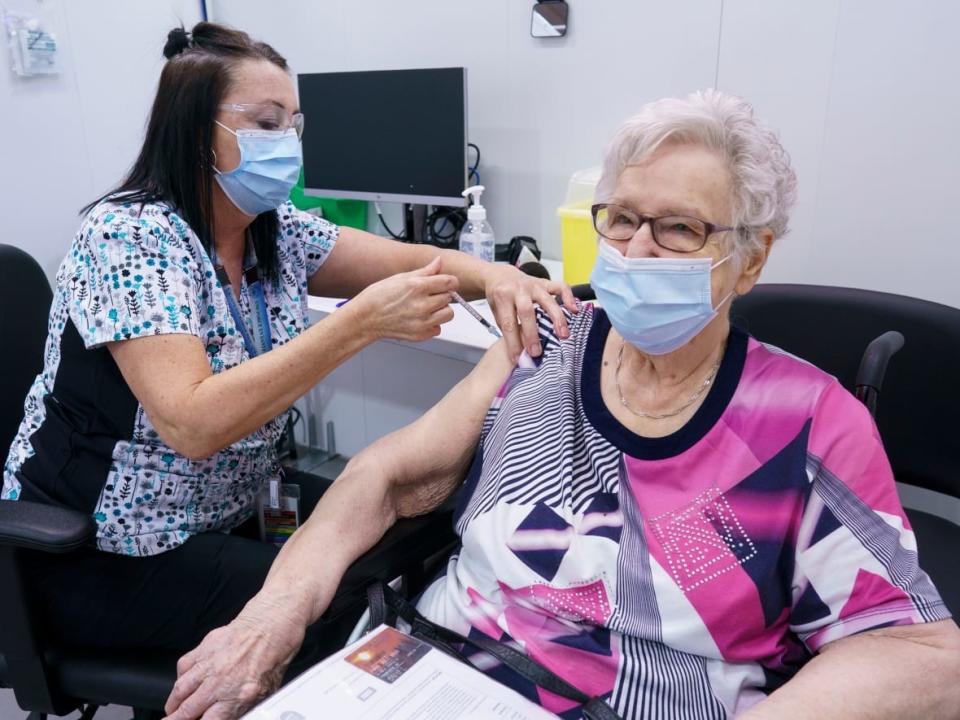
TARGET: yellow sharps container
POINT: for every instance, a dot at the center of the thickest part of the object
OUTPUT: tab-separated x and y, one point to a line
578	239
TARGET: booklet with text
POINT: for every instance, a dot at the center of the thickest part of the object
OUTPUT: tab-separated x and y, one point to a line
387	675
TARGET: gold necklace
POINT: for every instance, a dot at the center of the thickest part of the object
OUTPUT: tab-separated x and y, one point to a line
663	416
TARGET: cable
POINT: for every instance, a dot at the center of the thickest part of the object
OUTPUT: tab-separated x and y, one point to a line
287	442
472	170
475	147
383	222
452	217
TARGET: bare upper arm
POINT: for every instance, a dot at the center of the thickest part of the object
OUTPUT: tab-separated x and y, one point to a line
427	459
162	371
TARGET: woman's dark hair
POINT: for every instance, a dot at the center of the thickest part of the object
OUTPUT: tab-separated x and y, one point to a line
176	160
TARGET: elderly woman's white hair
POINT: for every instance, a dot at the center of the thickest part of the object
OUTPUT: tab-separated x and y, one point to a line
764	185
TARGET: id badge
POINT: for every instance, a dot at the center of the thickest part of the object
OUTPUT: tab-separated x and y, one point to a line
278	508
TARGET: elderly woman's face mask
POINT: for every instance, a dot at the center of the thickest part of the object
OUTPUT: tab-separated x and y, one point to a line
655	304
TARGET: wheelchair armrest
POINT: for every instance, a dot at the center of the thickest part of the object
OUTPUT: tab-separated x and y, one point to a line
47	528
403	550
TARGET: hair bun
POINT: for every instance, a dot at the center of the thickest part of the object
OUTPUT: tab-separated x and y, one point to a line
178	40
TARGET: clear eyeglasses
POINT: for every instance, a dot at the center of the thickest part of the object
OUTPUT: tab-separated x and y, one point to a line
268	116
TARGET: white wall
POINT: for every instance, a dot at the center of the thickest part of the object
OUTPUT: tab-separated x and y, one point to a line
65	139
864	95
538	109
861	91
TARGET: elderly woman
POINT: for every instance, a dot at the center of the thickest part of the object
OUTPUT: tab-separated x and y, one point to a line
661	510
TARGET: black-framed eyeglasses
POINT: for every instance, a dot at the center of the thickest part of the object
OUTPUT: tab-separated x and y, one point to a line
679	233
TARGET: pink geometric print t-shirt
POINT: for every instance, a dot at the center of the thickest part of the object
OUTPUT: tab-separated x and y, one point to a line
679	577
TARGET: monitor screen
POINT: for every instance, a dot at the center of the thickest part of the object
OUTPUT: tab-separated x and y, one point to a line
392	135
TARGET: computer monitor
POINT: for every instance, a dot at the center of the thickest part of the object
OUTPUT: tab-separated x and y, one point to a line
387	135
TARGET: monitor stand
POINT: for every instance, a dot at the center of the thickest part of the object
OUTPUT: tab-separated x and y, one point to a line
414	218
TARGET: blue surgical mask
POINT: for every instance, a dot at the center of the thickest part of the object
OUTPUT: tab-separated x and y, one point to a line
656	304
269	168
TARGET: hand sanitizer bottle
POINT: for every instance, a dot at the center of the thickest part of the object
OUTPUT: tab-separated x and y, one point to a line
476	237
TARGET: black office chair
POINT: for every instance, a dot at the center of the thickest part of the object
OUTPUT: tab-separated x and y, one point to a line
48	678
916	412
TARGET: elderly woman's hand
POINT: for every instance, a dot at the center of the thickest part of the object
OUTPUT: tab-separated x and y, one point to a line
236	666
512	296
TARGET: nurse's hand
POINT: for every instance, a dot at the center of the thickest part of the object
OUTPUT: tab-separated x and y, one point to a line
512	296
407	306
236	666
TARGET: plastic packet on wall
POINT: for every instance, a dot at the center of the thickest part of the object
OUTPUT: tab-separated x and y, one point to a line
33	50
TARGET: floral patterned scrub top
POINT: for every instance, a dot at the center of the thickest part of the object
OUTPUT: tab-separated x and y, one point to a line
85	442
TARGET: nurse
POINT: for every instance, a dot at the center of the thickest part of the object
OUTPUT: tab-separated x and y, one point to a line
178	341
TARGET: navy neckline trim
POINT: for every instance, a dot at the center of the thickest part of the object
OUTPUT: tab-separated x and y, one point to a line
646	448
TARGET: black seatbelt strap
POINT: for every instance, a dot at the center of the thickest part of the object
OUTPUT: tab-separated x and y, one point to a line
386	605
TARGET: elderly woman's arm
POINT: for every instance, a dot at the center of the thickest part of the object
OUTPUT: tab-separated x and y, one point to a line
910	671
408	472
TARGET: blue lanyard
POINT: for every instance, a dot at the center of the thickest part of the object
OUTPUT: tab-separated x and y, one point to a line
261	320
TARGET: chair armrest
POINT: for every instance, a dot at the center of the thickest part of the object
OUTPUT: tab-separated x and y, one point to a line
583	292
873	364
47	528
404	549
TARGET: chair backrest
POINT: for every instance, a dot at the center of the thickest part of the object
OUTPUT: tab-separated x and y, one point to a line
830	327
25	299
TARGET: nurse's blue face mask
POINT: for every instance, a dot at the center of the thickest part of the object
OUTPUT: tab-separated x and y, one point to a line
656	304
269	167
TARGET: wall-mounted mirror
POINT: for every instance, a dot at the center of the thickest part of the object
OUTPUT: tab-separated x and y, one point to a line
549	19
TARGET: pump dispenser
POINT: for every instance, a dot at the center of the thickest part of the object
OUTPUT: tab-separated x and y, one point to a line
476	237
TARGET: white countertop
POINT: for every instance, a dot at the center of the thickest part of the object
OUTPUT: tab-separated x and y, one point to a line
463	338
